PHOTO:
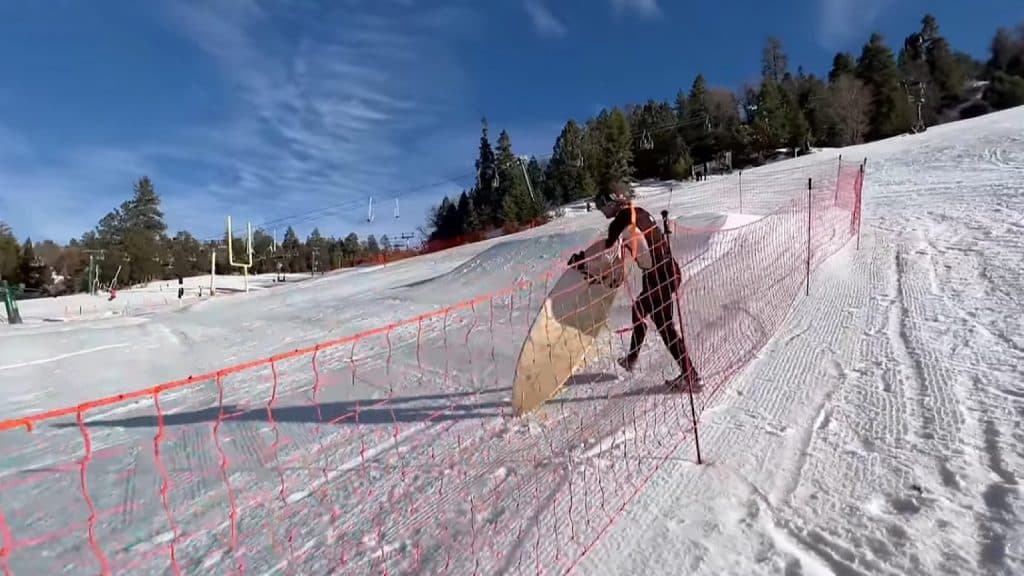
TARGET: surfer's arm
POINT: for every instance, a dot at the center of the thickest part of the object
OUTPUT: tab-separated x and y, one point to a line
616	227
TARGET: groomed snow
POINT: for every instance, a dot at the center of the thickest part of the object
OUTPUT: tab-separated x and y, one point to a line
143	300
733	220
878	433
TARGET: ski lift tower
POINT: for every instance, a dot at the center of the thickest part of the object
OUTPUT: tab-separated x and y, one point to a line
213	268
248	250
523	162
314	259
407	236
646	142
915	82
10	297
93	272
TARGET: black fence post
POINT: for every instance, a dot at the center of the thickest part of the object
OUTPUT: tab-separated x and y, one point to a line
809	186
689	375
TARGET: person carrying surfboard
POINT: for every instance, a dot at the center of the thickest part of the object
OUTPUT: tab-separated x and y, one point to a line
636	230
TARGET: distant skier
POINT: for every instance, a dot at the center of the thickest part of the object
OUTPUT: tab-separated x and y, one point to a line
661	278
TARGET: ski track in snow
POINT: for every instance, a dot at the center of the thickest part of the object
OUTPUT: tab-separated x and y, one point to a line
61	356
878	432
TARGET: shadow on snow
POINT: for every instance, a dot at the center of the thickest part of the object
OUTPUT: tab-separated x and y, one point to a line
486	403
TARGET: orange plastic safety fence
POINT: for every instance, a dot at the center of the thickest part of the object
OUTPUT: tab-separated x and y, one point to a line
740	288
393	450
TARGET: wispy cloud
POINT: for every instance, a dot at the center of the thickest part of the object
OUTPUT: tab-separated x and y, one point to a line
841	22
323	108
59	196
322	100
544	21
647	8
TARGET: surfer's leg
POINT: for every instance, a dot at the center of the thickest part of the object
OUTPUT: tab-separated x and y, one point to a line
636	340
662	314
639	332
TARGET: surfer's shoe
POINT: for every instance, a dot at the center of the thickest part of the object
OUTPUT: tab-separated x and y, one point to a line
627	363
680	382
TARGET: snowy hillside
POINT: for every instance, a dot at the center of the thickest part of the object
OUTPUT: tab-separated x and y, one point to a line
877	432
880	432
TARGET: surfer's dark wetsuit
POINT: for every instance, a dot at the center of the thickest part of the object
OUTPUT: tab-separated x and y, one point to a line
661	278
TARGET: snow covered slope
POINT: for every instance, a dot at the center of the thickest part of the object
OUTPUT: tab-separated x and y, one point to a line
878	433
881	431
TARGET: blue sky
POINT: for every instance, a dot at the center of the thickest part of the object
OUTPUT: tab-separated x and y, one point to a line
297	112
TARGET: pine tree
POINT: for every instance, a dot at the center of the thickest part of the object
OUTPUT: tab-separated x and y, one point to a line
485	192
696	130
316	250
466	213
973	68
797	128
446	221
643	121
593	153
292	252
843	64
352	250
815	104
723	118
657	145
944	70
744	150
372	248
186	255
536	175
135	232
771	124
890	114
947	73
9	256
616	151
143	212
774	61
1005	91
34	273
696	109
511	211
711	116
931	69
512	187
1007	52
435	219
567	176
680	106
